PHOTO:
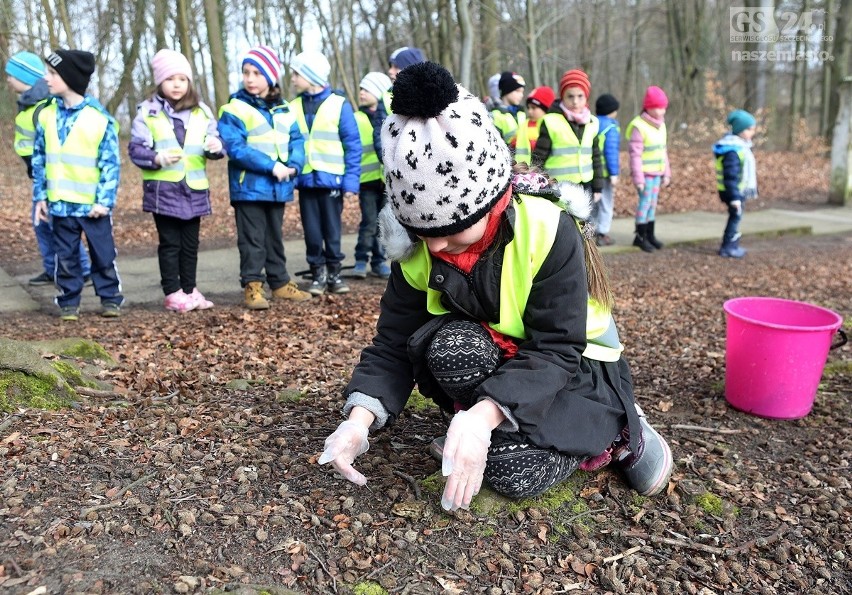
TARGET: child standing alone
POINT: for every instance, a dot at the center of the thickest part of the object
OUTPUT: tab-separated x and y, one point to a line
736	177
266	152
172	136
649	164
76	168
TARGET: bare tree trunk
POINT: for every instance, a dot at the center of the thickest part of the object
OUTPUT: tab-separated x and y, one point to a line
161	15
182	29
825	84
630	86
466	30
218	59
50	19
62	9
131	58
532	43
489	28
840	64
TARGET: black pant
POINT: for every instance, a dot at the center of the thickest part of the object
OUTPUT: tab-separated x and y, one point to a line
177	252
261	243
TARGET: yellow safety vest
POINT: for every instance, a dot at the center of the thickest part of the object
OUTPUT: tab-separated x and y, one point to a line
536	223
654	141
387	97
506	124
71	168
371	167
570	158
720	171
25	129
523	144
323	147
272	141
192	166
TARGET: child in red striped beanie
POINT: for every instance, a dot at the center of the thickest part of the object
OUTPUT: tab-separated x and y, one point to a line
567	146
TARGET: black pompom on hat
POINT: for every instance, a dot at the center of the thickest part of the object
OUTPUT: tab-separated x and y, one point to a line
445	163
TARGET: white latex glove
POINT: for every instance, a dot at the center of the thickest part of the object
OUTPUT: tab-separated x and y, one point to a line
613	180
98	211
347	442
167	158
213	144
738	205
596	196
465	454
281	171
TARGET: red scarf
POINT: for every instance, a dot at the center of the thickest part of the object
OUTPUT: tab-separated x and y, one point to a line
468	258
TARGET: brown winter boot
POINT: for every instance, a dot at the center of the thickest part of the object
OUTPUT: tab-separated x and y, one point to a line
255	298
290	291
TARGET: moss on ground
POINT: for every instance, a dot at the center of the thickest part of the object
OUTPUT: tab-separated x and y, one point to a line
418	403
76	347
369	588
19	389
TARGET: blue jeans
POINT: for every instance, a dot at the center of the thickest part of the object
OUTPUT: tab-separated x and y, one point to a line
44	236
732	229
320	210
67	232
372	199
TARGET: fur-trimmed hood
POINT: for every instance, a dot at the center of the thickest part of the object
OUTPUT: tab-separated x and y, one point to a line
399	243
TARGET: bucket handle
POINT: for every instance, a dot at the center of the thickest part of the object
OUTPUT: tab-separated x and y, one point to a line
843	340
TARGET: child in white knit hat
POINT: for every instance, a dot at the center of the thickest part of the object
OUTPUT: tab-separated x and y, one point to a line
490	311
369	254
332	171
172	137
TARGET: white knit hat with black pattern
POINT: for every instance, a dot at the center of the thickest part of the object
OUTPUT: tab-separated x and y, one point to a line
445	163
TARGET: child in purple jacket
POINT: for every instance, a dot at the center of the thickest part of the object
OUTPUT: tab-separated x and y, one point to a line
172	137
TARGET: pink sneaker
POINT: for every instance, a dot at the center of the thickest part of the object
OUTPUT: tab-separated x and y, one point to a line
179	302
201	302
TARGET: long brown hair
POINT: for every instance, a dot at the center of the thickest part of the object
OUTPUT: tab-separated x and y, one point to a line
190	100
596	273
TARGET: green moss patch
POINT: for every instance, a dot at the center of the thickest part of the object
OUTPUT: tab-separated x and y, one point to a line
76	347
418	403
369	588
18	389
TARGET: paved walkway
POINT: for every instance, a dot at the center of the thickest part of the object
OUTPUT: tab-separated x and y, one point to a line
218	270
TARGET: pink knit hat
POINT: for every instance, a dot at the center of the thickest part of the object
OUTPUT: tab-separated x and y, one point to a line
654	98
168	63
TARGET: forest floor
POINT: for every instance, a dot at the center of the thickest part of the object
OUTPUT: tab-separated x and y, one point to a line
199	473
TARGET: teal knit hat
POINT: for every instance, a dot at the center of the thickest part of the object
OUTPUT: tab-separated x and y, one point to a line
740	120
26	67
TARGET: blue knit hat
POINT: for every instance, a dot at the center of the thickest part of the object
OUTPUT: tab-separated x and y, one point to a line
406	56
740	120
26	67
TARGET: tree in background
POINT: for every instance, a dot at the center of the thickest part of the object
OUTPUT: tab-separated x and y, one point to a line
624	45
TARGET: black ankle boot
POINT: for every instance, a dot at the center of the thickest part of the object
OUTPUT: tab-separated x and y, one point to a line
641	239
652	239
335	283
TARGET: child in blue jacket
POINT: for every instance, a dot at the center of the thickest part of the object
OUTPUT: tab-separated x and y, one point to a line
266	153
609	137
736	177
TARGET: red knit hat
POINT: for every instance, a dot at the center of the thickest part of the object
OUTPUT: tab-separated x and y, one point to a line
575	78
543	97
654	98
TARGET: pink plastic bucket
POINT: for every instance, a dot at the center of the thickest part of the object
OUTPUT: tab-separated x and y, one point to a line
776	351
